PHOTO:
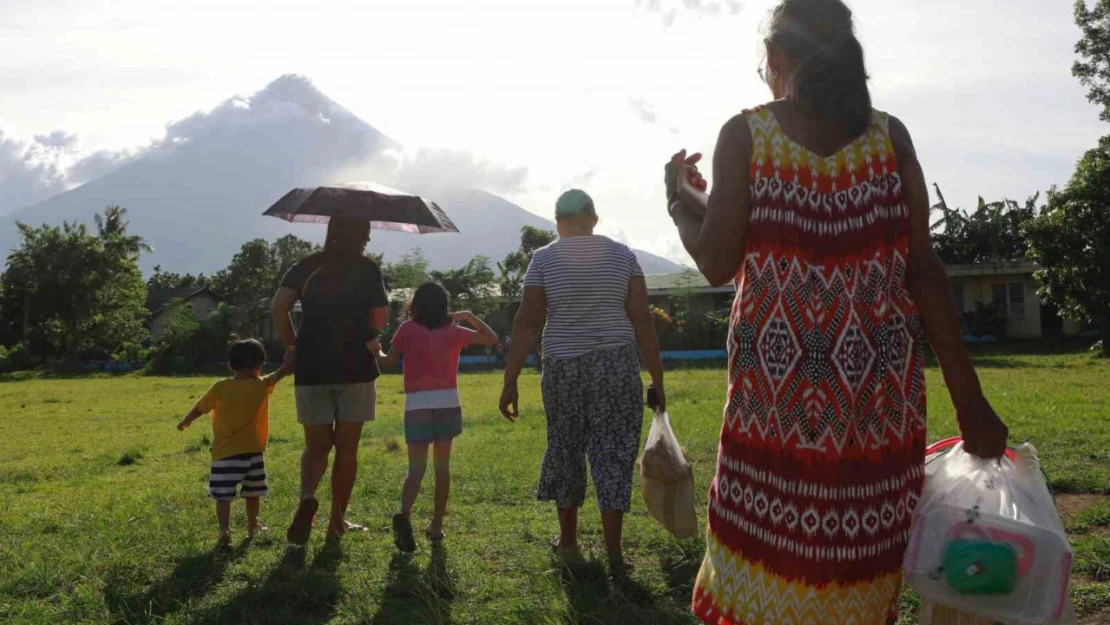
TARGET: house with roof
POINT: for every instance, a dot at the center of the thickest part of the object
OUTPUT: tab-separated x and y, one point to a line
203	302
692	287
1009	288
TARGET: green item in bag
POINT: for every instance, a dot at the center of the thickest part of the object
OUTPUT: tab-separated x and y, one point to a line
980	567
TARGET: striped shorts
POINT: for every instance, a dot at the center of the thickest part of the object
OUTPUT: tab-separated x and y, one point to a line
248	470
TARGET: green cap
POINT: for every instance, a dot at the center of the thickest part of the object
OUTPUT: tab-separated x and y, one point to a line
574	203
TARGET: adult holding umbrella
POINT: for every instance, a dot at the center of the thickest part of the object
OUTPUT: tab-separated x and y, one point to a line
344	305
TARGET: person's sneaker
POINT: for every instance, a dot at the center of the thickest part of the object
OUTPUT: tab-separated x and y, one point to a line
301	527
402	533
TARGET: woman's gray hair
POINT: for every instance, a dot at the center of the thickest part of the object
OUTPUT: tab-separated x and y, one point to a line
574	203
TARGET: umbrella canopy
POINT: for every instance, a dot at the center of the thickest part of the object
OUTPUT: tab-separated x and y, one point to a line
384	208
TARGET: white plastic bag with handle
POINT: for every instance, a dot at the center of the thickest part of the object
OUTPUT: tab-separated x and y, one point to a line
667	481
987	544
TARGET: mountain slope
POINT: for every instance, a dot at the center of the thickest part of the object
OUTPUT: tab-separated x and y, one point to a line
199	193
488	225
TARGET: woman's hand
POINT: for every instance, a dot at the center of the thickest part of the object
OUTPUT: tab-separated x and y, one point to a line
984	433
375	347
681	172
290	360
660	396
509	398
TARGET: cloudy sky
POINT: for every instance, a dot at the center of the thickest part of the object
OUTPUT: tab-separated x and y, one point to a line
590	93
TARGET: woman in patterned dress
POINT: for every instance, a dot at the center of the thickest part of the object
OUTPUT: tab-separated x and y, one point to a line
819	213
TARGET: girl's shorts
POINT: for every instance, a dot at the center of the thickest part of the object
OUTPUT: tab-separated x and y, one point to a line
428	425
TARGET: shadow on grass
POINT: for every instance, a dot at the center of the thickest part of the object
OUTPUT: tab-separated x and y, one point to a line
290	593
414	597
593	597
681	569
190	580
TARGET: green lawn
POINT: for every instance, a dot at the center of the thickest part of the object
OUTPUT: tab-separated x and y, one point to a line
104	519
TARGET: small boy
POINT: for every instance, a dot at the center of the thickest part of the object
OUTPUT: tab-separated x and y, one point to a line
240	428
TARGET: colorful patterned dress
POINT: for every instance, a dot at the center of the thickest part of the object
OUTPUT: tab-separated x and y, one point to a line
822	447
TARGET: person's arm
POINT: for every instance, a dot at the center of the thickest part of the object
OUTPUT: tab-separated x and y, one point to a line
282	311
379	317
386	361
484	335
526	327
389	361
714	228
639	313
277	376
983	432
379	299
204	405
193	415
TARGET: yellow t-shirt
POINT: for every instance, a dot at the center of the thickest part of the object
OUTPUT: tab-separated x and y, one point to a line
241	421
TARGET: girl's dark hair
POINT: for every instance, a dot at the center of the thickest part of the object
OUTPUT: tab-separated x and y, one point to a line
829	75
346	239
430	305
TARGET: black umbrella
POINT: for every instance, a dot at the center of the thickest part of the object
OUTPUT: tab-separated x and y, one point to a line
384	208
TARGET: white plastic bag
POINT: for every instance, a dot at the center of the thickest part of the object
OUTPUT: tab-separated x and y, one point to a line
667	481
987	543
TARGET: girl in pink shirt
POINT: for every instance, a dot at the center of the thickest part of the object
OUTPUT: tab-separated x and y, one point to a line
429	346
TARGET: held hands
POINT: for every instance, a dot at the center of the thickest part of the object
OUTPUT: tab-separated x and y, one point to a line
984	433
375	347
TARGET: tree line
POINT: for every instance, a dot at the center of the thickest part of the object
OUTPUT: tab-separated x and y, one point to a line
74	295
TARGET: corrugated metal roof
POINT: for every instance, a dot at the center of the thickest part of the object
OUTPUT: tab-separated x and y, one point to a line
688	280
1001	268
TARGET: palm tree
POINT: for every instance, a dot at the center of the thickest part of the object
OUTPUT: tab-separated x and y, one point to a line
111	227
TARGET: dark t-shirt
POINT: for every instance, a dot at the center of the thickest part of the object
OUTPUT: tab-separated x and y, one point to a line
335	321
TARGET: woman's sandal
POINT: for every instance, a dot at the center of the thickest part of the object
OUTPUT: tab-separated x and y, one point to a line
435	538
402	533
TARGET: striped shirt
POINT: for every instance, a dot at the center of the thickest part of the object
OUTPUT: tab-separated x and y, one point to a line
585	280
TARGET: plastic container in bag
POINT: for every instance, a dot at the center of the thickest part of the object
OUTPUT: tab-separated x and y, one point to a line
987	542
667	481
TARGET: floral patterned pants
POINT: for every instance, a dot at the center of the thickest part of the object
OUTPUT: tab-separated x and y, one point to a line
595	408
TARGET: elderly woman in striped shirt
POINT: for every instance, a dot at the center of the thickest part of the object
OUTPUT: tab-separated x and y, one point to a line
592	294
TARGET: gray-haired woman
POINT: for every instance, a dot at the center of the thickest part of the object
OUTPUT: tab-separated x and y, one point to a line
592	294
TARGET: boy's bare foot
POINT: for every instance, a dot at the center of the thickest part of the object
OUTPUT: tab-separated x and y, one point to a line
224	541
257	529
301	527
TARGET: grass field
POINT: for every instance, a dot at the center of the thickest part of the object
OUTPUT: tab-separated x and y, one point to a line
104	519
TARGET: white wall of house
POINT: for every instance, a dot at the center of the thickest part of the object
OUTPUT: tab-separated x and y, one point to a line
1015	294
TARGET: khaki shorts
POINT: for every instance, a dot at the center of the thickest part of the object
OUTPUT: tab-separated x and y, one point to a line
325	404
